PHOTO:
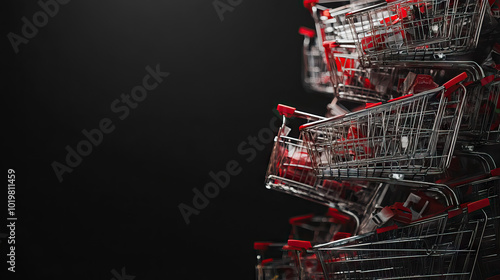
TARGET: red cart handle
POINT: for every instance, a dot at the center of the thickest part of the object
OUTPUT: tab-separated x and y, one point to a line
301	244
401	97
286	111
265	261
330	44
289	112
487	80
306	32
470	206
309	3
386	229
495	172
261	245
476	205
455	80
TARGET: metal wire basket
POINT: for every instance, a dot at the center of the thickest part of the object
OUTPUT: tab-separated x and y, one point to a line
315	74
442	247
350	81
416	29
290	171
408	136
273	263
331	24
405	202
489	253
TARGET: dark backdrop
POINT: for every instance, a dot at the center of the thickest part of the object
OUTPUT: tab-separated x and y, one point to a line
118	208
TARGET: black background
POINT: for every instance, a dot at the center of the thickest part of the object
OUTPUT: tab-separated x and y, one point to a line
119	207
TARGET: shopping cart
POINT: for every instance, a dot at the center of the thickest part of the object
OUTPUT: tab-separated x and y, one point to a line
481	122
466	167
330	22
481	117
410	136
416	29
481	188
307	264
290	171
290	166
353	83
315	75
322	228
274	263
442	247
404	202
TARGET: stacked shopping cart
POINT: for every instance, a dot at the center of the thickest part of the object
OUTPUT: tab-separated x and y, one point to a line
410	175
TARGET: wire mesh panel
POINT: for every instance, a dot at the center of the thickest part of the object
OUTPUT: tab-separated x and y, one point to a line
350	81
307	263
315	74
331	23
489	254
481	121
444	247
291	171
404	202
410	136
276	269
416	29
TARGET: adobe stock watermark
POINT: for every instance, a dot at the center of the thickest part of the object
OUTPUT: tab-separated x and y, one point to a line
121	276
222	6
48	9
248	149
121	107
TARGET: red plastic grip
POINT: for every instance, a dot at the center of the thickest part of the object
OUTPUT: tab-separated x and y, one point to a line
306	32
455	80
474	206
261	245
401	97
309	3
385	229
299	244
300	219
369	105
487	80
287	111
286	248
454	213
330	44
495	172
266	261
